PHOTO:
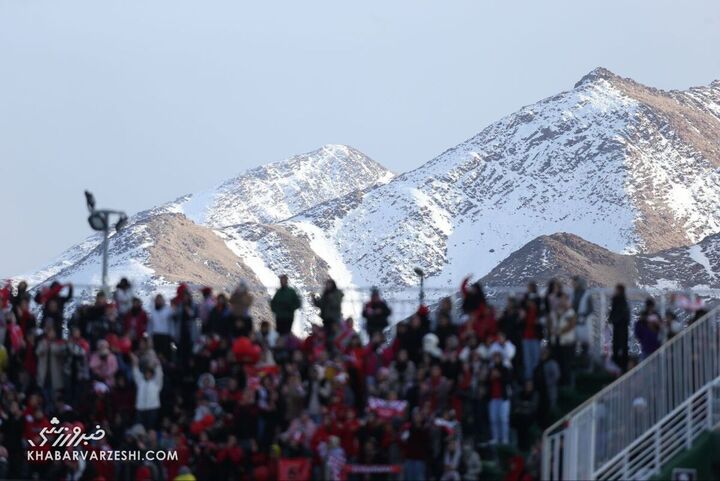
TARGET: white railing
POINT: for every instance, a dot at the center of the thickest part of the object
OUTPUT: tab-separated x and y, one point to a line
630	429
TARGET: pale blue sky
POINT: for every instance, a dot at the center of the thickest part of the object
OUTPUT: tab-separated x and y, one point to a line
144	101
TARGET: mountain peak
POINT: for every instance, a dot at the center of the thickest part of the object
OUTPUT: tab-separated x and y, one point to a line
279	190
326	156
599	73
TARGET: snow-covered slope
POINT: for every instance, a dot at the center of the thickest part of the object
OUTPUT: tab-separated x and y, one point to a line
631	168
279	190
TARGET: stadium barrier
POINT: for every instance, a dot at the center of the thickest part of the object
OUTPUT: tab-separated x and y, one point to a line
630	429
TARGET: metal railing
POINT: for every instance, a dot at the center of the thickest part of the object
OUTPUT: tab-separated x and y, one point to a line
630	429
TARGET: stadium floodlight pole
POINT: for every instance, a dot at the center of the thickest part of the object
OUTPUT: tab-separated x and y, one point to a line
99	220
421	274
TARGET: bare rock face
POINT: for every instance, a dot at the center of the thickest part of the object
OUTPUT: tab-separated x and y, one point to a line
563	255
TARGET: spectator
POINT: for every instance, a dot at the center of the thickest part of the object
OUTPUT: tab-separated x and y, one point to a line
76	369
451	461
416	442
185	316
563	322
161	328
148	384
553	295
283	305
206	305
647	329
135	320
240	302
21	294
506	348
619	319
481	318
445	309
123	296
546	379
499	390
334	460
103	363
50	361
582	304
330	304
376	313
53	303
472	462
532	331
526	405
510	324
444	329
220	319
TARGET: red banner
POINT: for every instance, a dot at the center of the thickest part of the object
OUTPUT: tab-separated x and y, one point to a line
294	469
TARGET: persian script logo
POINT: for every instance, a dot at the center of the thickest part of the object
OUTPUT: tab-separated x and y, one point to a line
67	437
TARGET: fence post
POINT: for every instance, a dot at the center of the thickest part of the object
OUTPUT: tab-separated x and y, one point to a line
688	425
658	466
546	448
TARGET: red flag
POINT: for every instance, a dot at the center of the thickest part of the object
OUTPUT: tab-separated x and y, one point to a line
294	469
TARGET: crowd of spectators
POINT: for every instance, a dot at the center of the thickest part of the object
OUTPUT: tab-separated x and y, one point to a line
239	398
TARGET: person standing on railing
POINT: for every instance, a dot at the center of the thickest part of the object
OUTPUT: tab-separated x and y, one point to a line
619	319
283	305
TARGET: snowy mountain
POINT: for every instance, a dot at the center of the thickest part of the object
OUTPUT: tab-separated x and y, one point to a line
628	168
279	190
564	255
